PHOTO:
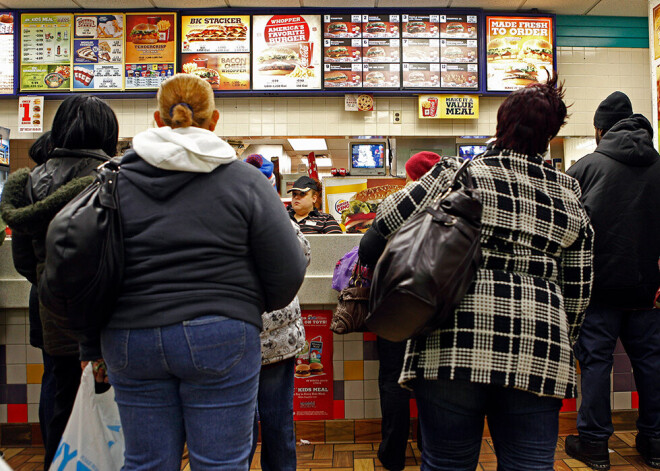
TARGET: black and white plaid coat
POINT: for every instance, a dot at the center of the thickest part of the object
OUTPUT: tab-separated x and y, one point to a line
516	325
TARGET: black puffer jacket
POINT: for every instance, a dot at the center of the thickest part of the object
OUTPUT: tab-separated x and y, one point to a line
620	185
29	202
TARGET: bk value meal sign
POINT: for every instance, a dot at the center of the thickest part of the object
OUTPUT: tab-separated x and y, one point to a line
448	107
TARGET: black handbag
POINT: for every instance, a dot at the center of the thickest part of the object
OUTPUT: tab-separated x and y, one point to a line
85	257
352	305
428	264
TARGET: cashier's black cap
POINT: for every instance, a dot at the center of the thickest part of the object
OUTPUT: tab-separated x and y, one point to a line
304	184
611	110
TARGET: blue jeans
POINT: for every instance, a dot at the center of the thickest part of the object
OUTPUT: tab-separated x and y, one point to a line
640	335
275	410
523	426
193	382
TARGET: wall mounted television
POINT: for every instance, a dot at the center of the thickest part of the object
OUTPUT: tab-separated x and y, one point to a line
367	157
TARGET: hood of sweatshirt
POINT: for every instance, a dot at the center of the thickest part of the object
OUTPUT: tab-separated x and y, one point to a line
188	149
630	141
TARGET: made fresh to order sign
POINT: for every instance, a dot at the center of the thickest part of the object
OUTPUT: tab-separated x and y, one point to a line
448	107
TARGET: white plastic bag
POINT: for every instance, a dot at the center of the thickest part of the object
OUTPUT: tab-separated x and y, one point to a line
93	438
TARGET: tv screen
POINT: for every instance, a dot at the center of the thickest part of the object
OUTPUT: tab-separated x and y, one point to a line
469	151
368	155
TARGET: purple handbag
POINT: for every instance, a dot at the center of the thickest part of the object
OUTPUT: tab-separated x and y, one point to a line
344	269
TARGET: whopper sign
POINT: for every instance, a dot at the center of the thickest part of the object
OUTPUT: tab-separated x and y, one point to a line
519	51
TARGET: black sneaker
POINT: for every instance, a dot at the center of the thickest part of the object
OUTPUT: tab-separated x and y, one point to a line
592	453
649	449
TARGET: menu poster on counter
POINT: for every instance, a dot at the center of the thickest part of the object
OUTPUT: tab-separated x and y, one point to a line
459	26
98	52
313	393
222	71
381	50
45	51
212	34
421	75
286	52
421	50
459	76
519	51
342	75
420	26
342	26
380	26
30	114
150	49
6	53
381	75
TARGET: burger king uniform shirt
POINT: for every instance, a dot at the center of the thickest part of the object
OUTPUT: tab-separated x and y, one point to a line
203	234
316	222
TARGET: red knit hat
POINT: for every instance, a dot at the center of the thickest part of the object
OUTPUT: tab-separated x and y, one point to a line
421	163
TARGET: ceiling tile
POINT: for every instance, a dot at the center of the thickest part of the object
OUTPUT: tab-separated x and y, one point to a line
340	3
487	4
114	4
559	7
414	3
272	4
619	8
189	3
25	4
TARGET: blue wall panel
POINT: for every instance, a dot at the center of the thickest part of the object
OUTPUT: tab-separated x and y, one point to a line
602	31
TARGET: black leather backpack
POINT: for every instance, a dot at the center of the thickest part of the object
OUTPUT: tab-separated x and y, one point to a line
85	257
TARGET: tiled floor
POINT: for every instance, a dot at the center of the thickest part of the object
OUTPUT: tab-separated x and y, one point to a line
362	456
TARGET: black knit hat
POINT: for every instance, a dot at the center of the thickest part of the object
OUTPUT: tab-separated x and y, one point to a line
612	109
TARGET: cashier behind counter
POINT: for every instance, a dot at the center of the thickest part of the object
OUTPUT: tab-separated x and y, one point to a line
304	196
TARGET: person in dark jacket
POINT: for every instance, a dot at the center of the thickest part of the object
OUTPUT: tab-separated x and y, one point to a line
208	248
621	193
83	136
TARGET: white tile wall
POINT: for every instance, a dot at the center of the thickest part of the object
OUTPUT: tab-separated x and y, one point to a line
590	75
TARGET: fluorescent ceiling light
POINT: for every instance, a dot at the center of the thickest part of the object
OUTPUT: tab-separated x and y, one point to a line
308	144
321	162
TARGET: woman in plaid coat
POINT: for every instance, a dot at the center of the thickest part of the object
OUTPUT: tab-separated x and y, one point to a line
506	354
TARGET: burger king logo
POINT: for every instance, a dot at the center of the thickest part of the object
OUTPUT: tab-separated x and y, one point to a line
341	205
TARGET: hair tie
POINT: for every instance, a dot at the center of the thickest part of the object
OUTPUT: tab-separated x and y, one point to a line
182	104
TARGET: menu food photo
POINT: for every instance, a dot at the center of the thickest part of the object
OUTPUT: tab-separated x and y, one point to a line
342	26
381	26
216	49
45	52
519	51
98	52
286	52
6	53
420	26
150	49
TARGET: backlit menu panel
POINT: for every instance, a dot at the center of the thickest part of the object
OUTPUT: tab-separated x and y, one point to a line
6	53
45	52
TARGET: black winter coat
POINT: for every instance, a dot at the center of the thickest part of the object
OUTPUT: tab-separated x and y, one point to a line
620	185
29	202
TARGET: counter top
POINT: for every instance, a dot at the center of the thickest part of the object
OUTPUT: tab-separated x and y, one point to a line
316	289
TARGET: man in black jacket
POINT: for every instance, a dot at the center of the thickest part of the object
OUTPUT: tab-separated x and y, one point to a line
620	185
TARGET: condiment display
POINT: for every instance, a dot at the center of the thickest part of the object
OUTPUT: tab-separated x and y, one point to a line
45	52
519	51
286	52
150	49
98	47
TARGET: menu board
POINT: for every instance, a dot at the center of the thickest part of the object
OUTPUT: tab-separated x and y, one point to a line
342	75
381	50
381	26
45	52
421	50
6	53
98	52
420	26
459	26
342	26
459	52
421	75
381	75
519	51
216	49
286	52
150	49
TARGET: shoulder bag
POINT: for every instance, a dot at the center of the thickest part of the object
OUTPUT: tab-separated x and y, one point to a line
352	304
428	264
85	257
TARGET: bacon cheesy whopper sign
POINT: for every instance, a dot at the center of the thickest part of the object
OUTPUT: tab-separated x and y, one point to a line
519	51
286	52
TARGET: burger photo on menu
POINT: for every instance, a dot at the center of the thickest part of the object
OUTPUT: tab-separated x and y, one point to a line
536	49
277	60
342	75
215	33
342	26
421	50
144	33
342	50
420	26
520	74
463	26
421	75
459	76
500	49
221	71
380	50
380	75
458	50
380	26
302	371
362	207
